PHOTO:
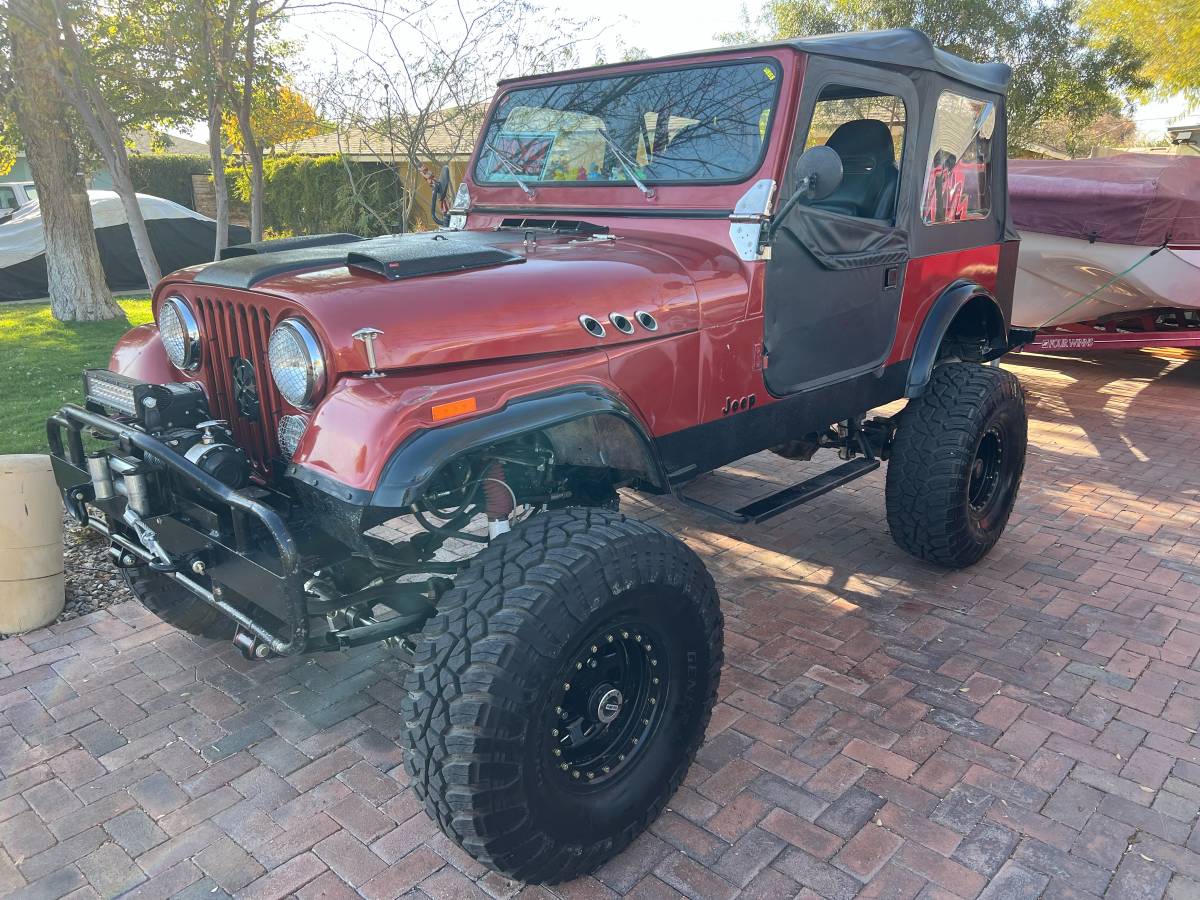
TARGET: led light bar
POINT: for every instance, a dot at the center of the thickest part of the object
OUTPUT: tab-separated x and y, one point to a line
111	391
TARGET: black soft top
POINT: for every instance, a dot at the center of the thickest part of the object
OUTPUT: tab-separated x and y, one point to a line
906	48
903	48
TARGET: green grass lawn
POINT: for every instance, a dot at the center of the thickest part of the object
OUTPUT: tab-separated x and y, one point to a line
41	361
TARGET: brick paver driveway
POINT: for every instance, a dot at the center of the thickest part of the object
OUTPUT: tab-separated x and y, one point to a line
1025	728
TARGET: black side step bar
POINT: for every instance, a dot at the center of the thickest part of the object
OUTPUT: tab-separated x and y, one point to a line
789	497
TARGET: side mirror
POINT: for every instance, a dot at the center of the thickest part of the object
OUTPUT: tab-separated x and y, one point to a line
818	172
438	209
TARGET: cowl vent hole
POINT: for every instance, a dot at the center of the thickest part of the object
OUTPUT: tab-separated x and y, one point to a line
621	323
592	326
646	320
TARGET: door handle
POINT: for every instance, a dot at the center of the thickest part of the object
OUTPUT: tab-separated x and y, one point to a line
891	277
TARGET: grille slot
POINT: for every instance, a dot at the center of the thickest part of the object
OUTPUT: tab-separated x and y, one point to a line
237	330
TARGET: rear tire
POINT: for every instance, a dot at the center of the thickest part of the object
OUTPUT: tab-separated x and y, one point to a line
561	691
175	605
956	464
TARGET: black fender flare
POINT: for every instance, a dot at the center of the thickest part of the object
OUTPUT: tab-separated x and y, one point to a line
413	464
937	323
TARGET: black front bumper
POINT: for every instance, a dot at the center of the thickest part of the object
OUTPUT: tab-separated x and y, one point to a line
239	544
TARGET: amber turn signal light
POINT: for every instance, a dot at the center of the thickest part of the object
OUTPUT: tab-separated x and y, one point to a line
455	408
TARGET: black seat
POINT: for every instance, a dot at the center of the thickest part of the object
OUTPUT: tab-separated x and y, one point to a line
869	174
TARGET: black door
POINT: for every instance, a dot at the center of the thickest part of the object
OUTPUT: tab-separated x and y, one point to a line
836	272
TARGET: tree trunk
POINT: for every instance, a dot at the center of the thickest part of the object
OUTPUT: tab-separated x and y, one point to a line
254	152
123	185
101	123
78	291
220	186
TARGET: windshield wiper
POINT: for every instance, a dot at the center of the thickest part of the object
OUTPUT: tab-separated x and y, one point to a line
626	164
512	169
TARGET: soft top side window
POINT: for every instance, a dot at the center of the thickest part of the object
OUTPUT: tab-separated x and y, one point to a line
958	173
866	128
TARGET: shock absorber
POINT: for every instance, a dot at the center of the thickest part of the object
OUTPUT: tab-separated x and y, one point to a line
499	500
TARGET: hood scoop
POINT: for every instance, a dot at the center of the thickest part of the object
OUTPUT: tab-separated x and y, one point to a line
416	255
392	256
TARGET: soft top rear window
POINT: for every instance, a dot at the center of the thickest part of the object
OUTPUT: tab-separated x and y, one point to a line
696	124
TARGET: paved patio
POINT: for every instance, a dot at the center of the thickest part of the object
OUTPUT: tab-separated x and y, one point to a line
1025	728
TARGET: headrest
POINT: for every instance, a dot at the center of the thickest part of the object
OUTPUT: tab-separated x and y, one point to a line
863	137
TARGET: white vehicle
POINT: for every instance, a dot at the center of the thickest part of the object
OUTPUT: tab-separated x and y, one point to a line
15	195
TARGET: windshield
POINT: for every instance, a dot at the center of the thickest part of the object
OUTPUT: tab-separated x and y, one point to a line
699	124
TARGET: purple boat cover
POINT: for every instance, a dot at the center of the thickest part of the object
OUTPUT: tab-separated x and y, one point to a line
1135	198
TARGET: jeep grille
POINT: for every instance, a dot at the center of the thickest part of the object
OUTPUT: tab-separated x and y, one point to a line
237	376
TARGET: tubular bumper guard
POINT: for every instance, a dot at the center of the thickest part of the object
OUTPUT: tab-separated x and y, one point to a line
276	587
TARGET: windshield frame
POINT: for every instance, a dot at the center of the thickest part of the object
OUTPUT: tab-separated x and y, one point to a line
773	62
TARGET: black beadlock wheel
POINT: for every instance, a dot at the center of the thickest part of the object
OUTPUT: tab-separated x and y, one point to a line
175	605
561	691
956	464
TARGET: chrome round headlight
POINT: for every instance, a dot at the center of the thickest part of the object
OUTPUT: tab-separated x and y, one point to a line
297	366
179	333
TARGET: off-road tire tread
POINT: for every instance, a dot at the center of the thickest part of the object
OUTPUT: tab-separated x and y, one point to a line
175	606
931	456
463	703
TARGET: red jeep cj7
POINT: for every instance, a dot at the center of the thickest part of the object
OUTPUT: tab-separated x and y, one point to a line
650	270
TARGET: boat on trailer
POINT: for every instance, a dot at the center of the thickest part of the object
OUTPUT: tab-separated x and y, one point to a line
1110	251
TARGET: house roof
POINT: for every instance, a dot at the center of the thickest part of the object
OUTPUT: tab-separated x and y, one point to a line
452	135
143	141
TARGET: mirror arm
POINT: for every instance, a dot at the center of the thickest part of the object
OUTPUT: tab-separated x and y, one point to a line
439	219
782	213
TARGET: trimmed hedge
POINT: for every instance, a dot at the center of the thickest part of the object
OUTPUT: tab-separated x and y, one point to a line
313	195
167	176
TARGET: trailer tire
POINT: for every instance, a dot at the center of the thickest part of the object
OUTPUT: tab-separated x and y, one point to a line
533	781
175	605
956	464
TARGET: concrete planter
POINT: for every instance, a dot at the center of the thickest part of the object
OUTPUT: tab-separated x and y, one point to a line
31	544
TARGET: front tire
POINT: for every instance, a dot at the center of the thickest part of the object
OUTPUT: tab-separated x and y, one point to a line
956	464
561	691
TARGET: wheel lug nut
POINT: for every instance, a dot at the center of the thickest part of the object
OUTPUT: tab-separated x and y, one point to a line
638	638
578	665
556	752
591	663
564	767
635	740
654	662
595	649
553	732
610	639
654	681
620	757
624	634
645	721
606	770
647	648
575	773
591	775
566	686
652	701
558	710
